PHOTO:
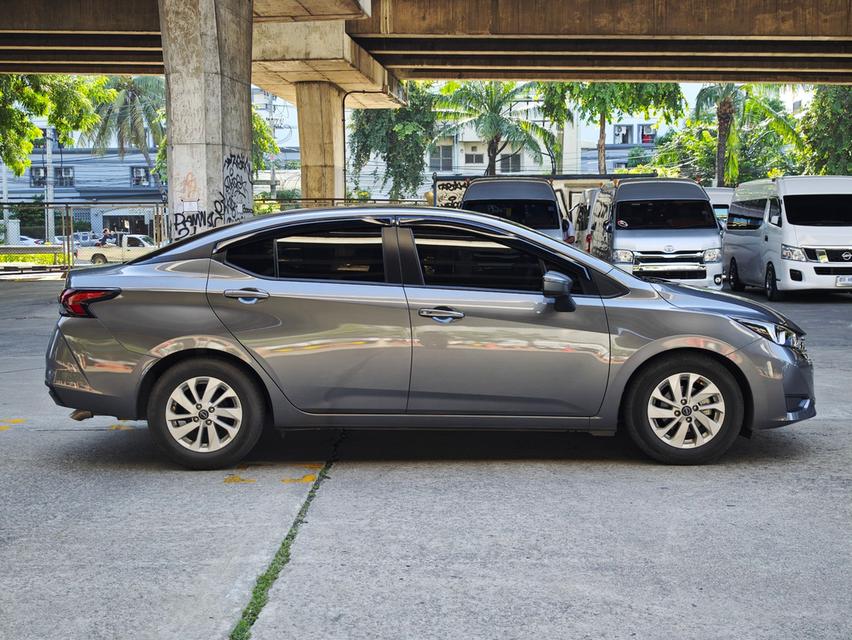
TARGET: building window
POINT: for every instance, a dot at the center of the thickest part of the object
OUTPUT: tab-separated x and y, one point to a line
623	134
38	176
441	158
474	158
647	134
63	176
510	163
140	176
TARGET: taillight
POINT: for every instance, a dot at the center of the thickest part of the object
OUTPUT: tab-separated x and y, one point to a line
75	302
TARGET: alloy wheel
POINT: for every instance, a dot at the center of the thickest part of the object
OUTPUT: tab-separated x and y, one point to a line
204	414
686	410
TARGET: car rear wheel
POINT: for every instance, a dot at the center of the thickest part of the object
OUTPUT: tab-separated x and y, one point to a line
684	410
734	277
205	414
98	259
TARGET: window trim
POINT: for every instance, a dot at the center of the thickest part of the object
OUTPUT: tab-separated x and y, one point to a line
389	245
413	272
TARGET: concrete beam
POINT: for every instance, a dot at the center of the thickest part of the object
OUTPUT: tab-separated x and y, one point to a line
310	10
284	54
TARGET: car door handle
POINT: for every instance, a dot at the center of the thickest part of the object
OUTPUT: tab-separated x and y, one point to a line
766	238
444	315
246	296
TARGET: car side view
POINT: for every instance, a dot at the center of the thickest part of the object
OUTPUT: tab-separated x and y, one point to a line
414	318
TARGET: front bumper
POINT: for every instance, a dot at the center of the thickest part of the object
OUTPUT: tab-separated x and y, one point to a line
706	276
781	382
809	276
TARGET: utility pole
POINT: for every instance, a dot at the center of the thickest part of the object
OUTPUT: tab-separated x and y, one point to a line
49	225
270	118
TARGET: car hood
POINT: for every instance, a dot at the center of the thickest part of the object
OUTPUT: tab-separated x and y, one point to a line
733	306
657	240
819	237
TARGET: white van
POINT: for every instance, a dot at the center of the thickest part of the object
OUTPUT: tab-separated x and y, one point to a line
720	198
791	233
658	228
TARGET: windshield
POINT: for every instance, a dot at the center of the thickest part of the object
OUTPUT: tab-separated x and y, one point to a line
665	214
538	214
823	210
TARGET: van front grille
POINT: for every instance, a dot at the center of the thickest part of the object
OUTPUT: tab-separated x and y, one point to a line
831	255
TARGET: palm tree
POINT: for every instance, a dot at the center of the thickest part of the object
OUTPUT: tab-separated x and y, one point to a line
501	113
133	119
736	106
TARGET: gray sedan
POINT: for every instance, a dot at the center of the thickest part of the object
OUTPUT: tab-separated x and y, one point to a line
414	319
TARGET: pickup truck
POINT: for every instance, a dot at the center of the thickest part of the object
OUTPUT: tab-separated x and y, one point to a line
119	248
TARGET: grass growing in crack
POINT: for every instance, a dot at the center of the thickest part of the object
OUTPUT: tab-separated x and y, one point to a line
260	593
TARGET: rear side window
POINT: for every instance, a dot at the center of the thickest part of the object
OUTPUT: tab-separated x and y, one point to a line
536	214
456	258
350	252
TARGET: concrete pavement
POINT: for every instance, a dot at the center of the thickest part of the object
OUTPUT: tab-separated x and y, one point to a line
422	535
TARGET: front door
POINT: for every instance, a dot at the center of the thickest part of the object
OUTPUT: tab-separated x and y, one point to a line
486	341
323	312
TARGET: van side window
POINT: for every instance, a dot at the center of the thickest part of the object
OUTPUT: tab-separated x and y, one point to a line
774	212
746	215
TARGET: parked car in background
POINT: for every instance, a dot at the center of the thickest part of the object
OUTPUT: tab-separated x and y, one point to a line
660	228
119	248
414	318
720	198
28	241
527	201
790	234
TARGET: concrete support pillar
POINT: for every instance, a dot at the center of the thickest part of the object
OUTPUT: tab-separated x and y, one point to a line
319	107
207	55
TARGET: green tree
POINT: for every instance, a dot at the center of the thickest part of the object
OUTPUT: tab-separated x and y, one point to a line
68	103
638	156
827	131
553	98
501	113
600	102
400	137
735	106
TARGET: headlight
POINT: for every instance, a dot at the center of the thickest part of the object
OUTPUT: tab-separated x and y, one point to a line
777	333
622	255
713	255
792	253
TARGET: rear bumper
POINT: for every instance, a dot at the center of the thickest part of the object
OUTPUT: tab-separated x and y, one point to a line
781	382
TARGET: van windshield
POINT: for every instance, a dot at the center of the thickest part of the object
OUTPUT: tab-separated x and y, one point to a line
538	214
820	210
665	214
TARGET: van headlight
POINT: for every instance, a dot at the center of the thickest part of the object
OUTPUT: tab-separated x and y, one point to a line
622	255
777	333
792	253
713	255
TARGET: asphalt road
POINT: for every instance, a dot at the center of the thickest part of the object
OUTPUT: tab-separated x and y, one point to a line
422	535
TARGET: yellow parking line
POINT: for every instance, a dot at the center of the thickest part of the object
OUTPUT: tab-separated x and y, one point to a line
233	478
311	477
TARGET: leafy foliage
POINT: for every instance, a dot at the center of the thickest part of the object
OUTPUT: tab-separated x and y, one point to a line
400	137
502	114
262	142
638	156
827	131
68	103
554	110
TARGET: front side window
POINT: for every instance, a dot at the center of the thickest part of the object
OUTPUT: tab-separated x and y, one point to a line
350	252
774	212
820	210
665	214
457	258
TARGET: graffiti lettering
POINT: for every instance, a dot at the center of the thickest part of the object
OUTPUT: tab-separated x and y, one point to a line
449	192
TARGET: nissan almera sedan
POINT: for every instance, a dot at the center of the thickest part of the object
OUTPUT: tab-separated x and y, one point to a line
414	319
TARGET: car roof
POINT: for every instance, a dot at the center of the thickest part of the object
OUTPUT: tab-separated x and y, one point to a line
659	189
509	189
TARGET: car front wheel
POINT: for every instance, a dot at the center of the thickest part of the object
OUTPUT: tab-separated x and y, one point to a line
734	277
205	414
684	410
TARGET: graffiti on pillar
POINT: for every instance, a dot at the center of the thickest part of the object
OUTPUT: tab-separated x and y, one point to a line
233	203
449	192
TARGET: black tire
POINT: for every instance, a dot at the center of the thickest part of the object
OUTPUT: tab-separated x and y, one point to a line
734	277
98	259
638	424
770	285
250	401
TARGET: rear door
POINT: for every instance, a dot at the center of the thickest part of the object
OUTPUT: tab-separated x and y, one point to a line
321	307
486	340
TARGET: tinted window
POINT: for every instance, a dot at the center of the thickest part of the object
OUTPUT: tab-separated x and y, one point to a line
746	215
349	252
458	258
775	212
537	214
823	210
665	214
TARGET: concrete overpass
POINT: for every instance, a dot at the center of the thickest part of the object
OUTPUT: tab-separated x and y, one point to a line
319	53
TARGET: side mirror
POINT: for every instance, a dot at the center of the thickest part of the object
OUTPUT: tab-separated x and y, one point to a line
558	285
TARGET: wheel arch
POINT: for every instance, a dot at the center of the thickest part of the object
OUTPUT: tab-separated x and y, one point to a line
153	374
733	369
